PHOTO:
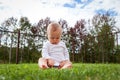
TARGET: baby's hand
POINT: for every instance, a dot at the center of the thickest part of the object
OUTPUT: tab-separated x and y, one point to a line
50	62
62	63
44	66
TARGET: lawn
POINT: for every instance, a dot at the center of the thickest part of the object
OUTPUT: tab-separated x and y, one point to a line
79	71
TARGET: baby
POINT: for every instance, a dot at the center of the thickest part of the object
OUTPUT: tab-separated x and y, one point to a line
54	51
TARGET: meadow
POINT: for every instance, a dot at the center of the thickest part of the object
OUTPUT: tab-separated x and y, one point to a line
80	71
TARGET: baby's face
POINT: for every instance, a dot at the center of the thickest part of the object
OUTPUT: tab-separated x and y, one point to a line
54	37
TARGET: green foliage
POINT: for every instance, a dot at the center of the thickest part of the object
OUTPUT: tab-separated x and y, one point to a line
95	46
78	72
103	25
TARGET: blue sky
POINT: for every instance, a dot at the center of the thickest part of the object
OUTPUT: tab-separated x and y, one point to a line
69	10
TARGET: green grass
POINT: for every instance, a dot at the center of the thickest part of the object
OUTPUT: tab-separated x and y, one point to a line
79	71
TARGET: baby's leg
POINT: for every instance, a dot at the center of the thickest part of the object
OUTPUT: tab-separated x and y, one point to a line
66	64
42	63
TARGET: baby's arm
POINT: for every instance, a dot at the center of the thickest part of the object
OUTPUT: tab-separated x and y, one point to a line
45	53
66	54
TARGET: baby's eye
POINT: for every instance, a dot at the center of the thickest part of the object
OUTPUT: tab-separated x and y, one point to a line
52	38
57	38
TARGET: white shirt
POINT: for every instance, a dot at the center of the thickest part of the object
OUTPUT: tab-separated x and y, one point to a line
57	52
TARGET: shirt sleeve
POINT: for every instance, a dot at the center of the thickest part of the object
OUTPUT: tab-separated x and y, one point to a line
66	53
45	53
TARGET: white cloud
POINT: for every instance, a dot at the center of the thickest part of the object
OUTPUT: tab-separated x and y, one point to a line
37	9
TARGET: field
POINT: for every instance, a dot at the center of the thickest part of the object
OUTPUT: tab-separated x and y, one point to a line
80	71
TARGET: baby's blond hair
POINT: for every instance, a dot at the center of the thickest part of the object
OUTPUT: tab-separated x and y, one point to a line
52	27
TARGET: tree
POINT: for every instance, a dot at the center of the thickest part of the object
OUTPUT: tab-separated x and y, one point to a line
77	35
40	31
26	40
104	25
9	24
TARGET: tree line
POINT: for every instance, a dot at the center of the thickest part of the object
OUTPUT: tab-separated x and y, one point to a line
89	41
